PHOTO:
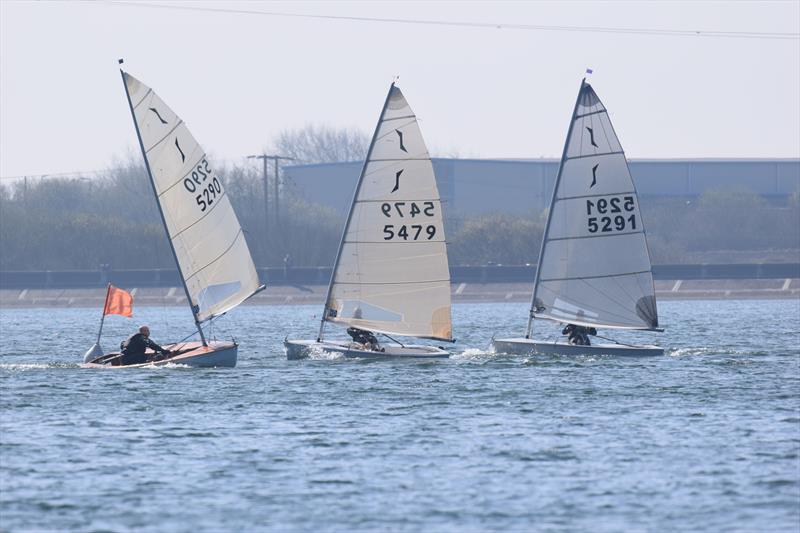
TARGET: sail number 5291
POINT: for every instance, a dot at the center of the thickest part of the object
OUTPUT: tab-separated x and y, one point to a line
625	220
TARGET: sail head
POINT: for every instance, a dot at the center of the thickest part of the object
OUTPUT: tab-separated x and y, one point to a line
212	253
392	274
595	267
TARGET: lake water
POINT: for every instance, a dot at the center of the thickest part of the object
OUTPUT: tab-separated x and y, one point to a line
705	438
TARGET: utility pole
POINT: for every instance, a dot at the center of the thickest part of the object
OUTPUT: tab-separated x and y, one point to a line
276	192
266	202
277	158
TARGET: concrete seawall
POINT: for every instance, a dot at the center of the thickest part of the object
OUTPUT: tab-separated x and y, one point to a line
787	288
311	276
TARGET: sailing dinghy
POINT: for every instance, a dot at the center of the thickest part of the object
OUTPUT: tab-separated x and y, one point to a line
206	239
594	266
391	274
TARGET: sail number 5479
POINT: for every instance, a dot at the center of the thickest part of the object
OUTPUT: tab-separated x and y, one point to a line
625	220
410	209
405	232
413	232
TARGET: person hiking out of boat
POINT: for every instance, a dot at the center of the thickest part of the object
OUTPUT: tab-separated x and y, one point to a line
367	338
578	335
133	349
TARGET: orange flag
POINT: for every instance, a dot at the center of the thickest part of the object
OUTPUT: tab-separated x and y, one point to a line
118	302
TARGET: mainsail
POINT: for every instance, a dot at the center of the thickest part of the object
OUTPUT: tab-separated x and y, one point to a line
594	266
209	245
391	273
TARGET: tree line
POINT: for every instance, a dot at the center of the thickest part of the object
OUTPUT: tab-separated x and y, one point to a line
58	224
112	218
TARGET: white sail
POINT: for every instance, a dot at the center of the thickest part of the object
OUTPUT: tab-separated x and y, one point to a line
391	274
594	267
209	245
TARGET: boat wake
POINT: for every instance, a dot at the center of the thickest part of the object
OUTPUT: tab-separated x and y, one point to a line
319	354
21	367
471	354
694	351
168	366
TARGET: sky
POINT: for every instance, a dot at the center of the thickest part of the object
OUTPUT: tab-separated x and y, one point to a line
491	89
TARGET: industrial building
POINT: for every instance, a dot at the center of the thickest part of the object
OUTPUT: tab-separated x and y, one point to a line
480	186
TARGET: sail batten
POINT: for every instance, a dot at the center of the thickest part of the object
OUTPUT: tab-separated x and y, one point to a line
594	266
377	284
204	232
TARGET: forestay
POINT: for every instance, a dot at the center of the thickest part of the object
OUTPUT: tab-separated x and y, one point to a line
391	274
595	266
209	245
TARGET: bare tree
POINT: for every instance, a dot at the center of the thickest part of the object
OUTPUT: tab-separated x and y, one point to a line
322	144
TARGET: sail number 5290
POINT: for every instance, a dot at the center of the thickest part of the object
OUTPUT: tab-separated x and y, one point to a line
625	220
203	181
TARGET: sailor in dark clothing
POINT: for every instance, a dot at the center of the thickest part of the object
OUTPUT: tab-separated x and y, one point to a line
367	338
133	349
578	335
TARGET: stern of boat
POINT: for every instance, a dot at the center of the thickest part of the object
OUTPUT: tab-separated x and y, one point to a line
523	346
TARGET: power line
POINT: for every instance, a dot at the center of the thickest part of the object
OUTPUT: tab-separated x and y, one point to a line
76	173
486	25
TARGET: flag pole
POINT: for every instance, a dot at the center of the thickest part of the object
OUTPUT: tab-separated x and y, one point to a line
103	318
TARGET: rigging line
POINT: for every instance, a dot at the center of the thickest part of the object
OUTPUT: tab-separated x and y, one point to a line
622	289
485	25
618	302
593	236
615	341
598	276
647	290
75	173
605	311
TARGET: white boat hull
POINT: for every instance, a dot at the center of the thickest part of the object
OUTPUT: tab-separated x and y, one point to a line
523	346
194	354
303	349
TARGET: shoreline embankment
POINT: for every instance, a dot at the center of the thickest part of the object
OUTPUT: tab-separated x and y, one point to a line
308	285
464	292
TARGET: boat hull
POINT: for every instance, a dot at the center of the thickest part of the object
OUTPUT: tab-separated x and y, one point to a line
523	346
193	354
303	349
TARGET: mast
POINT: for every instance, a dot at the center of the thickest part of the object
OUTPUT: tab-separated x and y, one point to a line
550	211
350	213
160	210
103	318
